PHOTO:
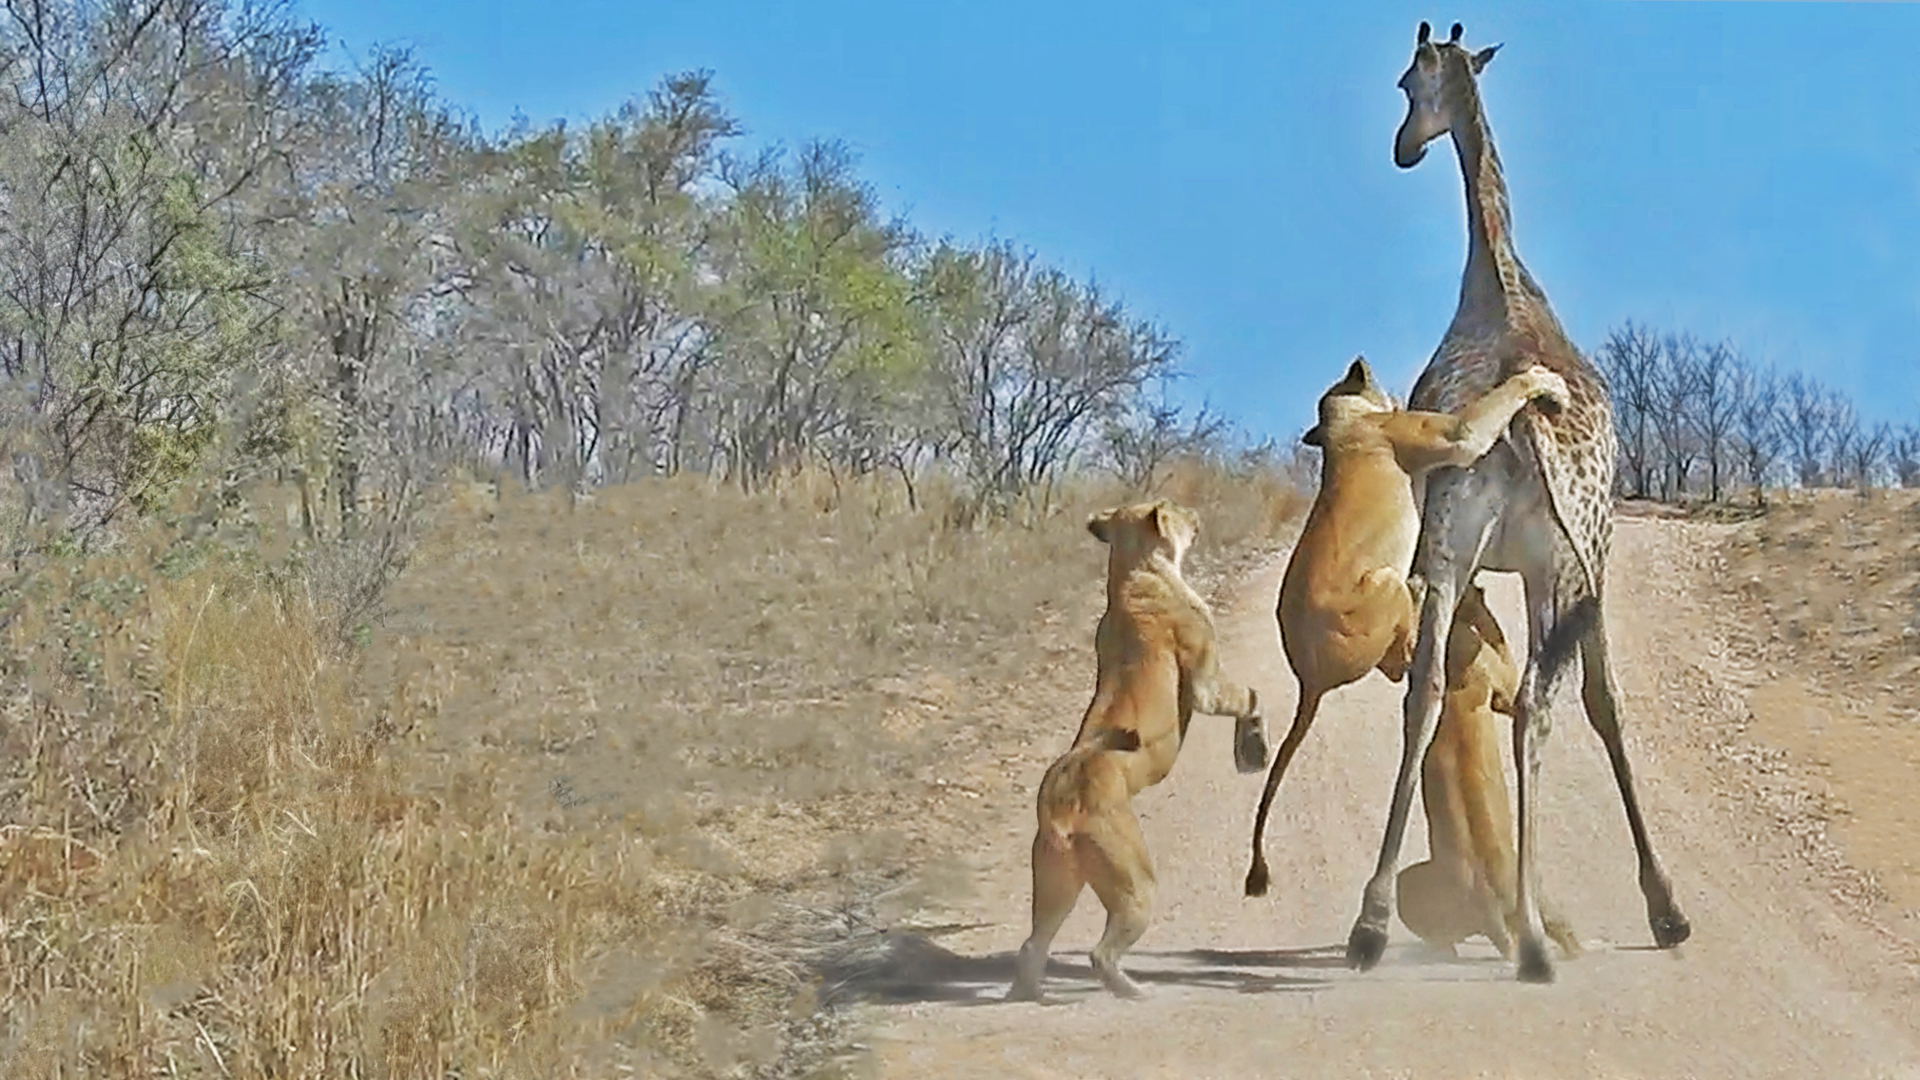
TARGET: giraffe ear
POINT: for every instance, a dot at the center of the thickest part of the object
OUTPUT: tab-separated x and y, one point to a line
1483	57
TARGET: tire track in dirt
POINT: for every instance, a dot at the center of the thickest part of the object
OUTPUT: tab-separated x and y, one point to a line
1777	980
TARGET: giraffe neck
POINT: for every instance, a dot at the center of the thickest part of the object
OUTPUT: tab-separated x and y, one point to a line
1495	282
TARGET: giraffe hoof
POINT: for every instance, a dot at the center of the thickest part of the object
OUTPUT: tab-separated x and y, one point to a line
1534	965
1670	929
1365	946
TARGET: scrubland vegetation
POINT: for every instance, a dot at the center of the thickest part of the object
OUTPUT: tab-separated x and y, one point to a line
606	781
460	584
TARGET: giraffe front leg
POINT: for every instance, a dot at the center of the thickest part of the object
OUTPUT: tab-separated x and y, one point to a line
1421	716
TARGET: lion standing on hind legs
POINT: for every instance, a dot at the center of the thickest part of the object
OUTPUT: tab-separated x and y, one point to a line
1156	668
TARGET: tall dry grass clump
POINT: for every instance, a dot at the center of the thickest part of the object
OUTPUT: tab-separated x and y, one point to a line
210	867
609	777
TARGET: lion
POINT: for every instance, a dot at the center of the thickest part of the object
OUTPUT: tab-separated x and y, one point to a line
1156	667
1346	606
1468	885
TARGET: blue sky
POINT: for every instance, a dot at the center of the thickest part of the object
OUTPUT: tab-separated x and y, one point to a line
1741	170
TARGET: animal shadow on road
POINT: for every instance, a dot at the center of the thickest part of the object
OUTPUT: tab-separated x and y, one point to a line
897	968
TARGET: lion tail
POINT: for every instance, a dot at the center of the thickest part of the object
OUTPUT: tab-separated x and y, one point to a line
1122	739
1084	777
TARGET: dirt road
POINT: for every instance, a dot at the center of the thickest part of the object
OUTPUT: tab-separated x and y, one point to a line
1778	980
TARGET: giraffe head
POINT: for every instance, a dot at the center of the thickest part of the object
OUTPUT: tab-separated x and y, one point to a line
1440	90
1357	392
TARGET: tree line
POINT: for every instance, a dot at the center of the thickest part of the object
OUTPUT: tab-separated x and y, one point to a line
1699	419
218	257
214	254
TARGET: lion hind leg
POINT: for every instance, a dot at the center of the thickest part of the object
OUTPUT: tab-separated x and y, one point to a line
1114	856
1388	611
1435	901
1057	884
1559	931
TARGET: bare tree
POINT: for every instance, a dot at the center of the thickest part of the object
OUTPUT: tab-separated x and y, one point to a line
361	229
1631	359
1757	428
1716	406
1139	442
1903	455
1805	426
1867	455
1031	364
1843	437
1676	392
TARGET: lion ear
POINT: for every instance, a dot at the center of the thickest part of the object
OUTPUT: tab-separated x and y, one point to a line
1314	436
1097	525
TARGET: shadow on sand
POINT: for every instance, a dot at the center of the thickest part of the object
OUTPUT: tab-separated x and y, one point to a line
900	967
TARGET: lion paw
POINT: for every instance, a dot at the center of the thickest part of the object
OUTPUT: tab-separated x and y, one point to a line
1250	752
1120	984
1024	991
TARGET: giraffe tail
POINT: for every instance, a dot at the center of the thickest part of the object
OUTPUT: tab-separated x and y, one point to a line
1546	458
1557	648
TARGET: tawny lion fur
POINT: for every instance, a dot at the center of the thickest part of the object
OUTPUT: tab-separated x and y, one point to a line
1157	666
1468	884
1346	606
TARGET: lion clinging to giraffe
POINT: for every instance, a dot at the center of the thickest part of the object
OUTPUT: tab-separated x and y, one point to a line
1346	607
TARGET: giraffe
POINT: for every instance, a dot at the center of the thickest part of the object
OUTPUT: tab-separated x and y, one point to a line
1539	503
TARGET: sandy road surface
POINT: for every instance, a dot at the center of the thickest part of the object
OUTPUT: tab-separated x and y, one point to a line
1776	980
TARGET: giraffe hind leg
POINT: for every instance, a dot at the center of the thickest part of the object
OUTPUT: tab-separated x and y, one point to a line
1554	626
1600	696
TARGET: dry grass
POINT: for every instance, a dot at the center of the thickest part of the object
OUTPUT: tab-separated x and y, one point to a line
588	805
1838	578
1822	601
